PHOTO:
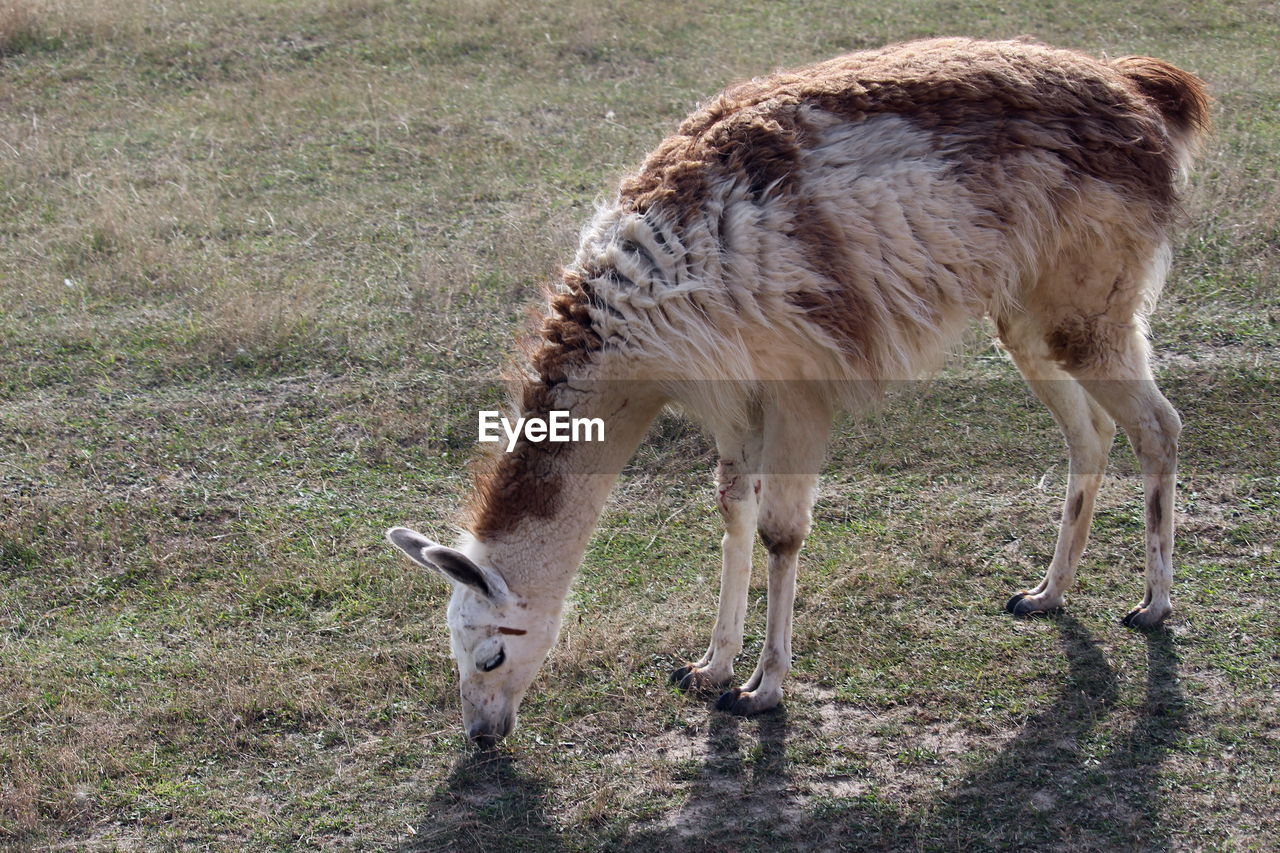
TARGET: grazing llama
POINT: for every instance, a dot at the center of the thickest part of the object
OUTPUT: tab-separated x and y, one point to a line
800	240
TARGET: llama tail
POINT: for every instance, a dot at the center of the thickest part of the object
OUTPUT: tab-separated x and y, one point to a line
1181	97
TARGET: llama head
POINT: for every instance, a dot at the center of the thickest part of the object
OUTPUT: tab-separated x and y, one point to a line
499	638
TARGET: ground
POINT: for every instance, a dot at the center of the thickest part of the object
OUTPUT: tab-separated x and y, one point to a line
260	264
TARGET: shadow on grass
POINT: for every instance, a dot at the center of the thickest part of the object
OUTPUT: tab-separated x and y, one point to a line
739	798
488	803
1059	785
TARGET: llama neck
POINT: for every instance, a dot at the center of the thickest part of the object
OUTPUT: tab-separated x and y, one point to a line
536	506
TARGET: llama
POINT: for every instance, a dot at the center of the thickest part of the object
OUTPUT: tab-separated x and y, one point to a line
802	239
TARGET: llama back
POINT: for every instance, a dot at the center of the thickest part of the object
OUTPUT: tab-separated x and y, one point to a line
847	221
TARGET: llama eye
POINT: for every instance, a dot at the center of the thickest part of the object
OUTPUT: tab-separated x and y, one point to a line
494	662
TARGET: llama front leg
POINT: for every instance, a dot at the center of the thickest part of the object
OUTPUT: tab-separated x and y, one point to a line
738	485
794	444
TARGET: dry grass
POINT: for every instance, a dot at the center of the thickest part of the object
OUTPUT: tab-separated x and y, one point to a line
19	27
48	25
257	263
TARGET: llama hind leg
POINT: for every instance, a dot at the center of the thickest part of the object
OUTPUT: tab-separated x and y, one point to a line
738	486
1089	431
795	438
1126	388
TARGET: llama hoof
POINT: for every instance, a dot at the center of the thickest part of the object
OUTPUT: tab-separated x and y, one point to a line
744	703
1145	618
1027	605
696	679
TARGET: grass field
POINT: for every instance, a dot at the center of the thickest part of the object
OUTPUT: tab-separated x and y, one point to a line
259	264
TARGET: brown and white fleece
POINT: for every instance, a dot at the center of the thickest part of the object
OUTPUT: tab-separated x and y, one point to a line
800	241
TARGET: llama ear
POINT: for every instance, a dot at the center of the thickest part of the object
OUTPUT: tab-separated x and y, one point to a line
453	564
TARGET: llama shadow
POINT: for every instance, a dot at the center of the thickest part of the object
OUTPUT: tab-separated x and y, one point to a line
489	804
1060	784
1057	785
739	799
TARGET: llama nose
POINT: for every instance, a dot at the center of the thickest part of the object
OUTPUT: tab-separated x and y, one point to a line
485	735
483	739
